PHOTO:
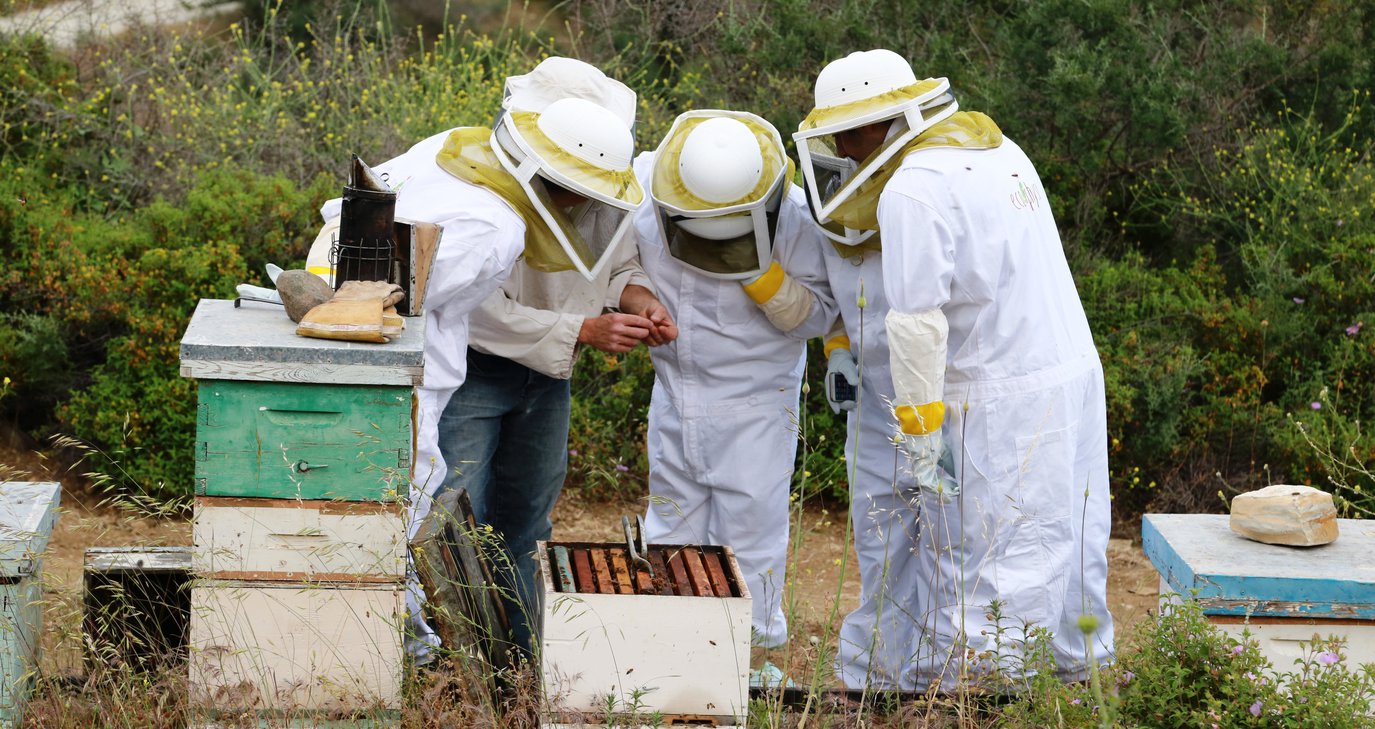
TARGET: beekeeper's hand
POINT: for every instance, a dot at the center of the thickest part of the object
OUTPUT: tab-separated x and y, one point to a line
841	365
931	464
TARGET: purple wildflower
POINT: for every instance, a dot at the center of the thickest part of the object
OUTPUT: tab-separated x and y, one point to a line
573	452
1354	329
1327	658
1237	649
1299	299
622	467
1315	405
1255	709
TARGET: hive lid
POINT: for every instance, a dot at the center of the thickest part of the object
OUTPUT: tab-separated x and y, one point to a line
1236	576
257	341
28	510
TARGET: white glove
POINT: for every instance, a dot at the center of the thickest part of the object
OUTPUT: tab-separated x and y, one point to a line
842	363
260	293
931	464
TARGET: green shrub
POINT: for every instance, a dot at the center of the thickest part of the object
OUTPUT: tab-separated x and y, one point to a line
606	431
1275	324
35	365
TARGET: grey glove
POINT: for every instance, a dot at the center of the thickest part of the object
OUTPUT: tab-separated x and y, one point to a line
841	365
932	463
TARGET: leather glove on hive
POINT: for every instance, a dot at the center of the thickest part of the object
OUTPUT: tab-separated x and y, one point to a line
361	311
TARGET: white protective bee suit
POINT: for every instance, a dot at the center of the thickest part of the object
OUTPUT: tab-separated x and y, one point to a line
1025	409
998	391
724	411
876	638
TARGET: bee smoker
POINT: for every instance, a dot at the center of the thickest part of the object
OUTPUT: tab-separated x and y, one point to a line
366	247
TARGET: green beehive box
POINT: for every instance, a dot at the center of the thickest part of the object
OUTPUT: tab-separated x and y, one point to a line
27	513
268	439
288	417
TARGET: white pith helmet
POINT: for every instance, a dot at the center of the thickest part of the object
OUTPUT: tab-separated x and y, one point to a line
865	87
588	132
721	162
862	75
581	147
717	184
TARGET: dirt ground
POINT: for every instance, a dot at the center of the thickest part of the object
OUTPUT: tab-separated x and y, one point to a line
819	595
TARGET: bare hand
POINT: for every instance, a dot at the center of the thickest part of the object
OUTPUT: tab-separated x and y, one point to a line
640	300
664	330
614	333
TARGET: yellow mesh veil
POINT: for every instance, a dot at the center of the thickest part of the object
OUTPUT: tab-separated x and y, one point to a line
618	185
467	154
966	129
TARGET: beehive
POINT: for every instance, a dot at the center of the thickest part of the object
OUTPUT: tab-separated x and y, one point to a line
1283	596
28	511
674	642
302	455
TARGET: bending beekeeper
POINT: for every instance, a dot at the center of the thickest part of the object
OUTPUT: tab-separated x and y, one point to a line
524	187
505	431
991	355
731	251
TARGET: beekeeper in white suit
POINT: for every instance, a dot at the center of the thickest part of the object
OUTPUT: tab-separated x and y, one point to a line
734	256
875	638
990	352
549	170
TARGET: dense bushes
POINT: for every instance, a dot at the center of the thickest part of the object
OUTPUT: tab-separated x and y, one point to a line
1221	239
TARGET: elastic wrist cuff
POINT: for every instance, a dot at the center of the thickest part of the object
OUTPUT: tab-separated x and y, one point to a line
921	419
835	343
763	288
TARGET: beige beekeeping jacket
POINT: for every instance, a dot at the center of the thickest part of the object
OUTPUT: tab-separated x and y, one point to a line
535	317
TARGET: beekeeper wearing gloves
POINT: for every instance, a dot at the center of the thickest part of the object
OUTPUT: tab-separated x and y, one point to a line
731	251
991	355
529	186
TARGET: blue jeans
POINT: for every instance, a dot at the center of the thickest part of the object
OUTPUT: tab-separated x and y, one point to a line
504	435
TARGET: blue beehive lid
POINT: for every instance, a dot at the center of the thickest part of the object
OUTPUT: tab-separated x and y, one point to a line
1233	575
28	510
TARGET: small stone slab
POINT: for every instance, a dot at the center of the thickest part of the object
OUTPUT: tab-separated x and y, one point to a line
1295	516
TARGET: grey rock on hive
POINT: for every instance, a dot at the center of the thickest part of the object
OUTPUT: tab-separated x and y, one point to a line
302	291
1298	516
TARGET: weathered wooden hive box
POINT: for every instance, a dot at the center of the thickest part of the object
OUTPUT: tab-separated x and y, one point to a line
1282	596
28	511
302	458
676	643
136	605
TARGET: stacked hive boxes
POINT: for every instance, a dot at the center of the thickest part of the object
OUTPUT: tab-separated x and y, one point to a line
299	540
27	514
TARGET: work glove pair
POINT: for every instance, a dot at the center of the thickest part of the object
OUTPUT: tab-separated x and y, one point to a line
360	311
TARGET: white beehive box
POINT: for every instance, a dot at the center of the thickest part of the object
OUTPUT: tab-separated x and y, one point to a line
282	539
684	657
28	511
291	647
1283	596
